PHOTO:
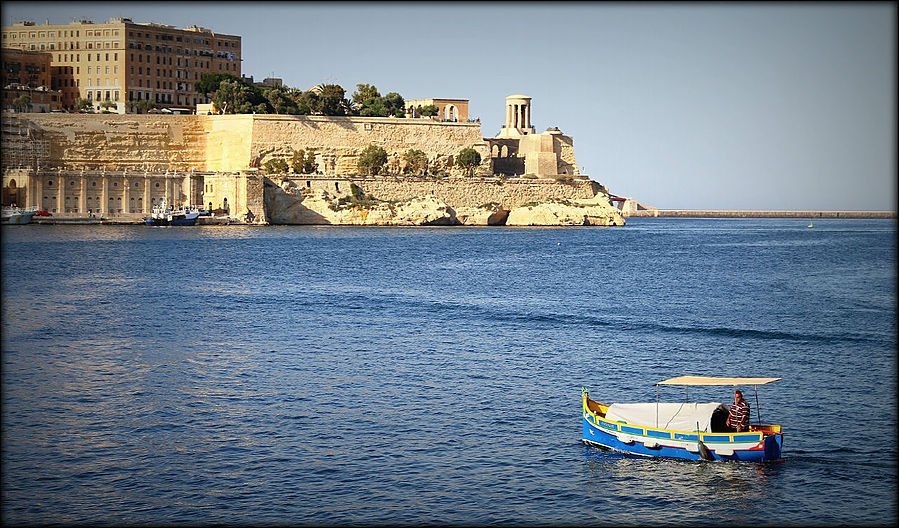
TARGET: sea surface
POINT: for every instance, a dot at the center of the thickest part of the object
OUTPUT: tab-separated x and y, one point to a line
405	376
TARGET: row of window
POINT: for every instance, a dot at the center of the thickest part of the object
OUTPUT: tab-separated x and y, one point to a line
114	93
76	57
53	46
177	38
52	34
94	184
166	98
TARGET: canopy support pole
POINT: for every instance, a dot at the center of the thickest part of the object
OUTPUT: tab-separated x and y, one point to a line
657	404
758	410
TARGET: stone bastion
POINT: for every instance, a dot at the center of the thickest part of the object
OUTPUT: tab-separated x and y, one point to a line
223	154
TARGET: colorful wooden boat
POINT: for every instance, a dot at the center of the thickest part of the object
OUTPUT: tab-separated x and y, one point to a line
692	431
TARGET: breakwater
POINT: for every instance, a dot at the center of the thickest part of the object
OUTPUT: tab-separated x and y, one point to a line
711	213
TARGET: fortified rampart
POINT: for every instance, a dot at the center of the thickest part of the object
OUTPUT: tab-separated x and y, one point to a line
459	191
125	164
223	142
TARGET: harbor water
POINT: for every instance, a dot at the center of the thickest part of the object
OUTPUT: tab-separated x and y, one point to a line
335	376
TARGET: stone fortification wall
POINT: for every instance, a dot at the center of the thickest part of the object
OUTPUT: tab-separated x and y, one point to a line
111	142
338	141
457	192
225	142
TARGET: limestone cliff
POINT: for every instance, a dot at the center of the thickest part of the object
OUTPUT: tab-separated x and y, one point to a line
597	211
288	203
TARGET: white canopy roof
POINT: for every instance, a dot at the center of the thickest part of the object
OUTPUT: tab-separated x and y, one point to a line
684	416
708	380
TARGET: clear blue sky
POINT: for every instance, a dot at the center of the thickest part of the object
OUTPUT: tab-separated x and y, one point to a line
679	105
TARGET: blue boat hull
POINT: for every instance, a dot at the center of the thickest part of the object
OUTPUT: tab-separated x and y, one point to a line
683	446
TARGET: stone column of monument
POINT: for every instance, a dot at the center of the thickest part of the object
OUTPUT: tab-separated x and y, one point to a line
167	184
61	195
147	183
82	206
34	189
104	196
126	195
188	192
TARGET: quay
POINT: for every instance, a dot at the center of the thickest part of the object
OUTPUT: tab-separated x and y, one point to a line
695	213
85	219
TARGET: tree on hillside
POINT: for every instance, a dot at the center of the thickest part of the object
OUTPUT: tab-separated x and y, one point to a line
371	161
82	104
469	159
278	97
416	161
303	162
364	92
276	166
22	102
146	105
331	100
306	102
232	97
395	104
209	82
367	101
428	110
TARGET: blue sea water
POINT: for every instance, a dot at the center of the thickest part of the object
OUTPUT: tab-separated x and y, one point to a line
375	376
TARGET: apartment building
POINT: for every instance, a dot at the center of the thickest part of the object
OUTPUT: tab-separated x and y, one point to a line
122	61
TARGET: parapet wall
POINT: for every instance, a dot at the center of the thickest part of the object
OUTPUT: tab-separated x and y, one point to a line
223	143
107	141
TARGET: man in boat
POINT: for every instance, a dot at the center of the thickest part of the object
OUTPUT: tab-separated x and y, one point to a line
738	419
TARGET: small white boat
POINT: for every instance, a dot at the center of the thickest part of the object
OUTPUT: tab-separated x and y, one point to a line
16	216
166	216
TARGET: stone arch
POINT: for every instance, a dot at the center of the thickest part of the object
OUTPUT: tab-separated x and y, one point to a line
504	151
12	184
451	113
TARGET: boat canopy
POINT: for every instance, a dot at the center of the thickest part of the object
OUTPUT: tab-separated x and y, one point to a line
684	416
708	380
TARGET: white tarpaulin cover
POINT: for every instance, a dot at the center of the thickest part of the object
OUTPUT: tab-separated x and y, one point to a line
680	416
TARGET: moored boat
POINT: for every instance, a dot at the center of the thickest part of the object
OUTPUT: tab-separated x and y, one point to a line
166	216
16	216
691	431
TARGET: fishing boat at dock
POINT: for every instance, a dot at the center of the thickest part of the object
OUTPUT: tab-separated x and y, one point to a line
166	216
15	216
691	431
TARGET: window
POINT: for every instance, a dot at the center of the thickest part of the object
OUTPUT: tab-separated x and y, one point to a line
88	69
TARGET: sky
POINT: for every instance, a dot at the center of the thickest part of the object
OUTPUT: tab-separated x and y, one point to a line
764	106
